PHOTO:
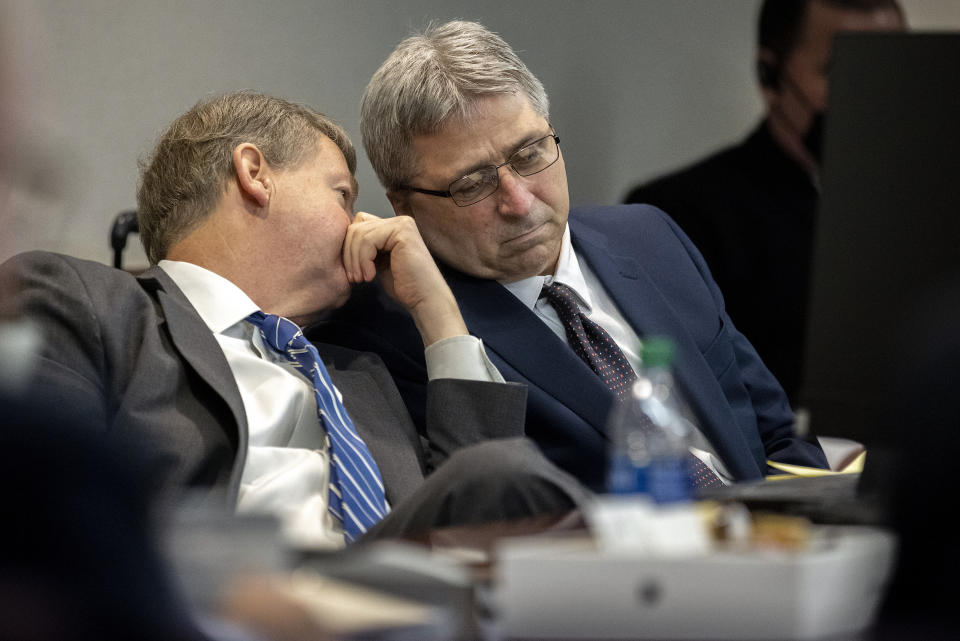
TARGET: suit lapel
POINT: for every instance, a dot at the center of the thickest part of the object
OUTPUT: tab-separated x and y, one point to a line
196	345
649	313
513	334
634	293
194	342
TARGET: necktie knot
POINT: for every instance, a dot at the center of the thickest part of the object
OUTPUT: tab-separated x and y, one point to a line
591	342
561	298
280	333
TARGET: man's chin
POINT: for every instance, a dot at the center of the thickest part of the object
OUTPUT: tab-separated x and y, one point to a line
341	297
514	262
327	301
537	261
513	271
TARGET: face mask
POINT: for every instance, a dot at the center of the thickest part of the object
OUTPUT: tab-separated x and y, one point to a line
813	139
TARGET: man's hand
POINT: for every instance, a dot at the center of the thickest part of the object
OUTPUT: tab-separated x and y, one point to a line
393	248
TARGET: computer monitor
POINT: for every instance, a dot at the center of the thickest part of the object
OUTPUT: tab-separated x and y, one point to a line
889	221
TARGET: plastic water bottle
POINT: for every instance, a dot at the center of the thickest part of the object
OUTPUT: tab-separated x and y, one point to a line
650	435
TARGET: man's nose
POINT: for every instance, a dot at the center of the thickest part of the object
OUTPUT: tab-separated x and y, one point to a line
513	196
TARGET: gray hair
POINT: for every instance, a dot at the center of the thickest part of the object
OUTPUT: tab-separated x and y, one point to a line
182	181
430	79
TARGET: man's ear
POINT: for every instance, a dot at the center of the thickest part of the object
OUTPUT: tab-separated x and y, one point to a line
253	173
400	200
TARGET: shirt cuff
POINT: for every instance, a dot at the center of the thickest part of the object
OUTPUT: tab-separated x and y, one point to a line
460	357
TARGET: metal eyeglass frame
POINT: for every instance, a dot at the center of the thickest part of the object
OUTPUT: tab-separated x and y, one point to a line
493	170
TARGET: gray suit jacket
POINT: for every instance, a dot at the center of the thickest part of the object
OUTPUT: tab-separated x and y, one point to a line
133	355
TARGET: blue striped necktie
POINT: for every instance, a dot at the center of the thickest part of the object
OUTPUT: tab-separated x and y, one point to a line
356	491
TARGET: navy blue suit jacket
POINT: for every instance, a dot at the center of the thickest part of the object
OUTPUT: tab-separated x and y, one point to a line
662	286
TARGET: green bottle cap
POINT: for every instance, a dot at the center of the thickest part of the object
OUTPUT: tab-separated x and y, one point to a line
657	351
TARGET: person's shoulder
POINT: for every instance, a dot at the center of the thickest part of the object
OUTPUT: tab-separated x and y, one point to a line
42	279
712	172
618	219
630	230
42	262
626	230
38	258
45	270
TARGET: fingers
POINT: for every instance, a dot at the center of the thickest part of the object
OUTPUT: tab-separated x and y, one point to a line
370	236
360	249
361	216
408	273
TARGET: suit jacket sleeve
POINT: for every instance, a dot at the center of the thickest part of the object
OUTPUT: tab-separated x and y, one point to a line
448	413
775	419
461	413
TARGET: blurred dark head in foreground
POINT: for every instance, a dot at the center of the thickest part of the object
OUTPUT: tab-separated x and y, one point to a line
79	559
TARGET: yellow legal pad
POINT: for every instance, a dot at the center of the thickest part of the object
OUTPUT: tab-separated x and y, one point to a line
792	471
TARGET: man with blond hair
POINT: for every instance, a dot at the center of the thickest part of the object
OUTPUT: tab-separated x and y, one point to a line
246	212
458	131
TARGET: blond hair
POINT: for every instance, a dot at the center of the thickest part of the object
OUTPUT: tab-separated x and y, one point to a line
184	177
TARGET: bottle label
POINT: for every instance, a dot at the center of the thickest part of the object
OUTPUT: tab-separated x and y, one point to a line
624	477
669	479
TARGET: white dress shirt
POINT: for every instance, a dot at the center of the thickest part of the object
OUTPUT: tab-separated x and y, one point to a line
287	470
595	303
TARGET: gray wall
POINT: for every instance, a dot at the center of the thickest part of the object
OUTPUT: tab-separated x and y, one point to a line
637	87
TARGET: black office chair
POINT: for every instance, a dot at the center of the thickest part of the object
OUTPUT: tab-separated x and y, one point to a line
123	225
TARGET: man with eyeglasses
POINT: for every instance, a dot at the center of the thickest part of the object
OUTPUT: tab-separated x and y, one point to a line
458	131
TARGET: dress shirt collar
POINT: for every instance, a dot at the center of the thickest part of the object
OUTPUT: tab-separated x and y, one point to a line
220	303
568	273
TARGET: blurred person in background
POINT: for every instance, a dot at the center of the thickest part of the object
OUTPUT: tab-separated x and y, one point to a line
750	208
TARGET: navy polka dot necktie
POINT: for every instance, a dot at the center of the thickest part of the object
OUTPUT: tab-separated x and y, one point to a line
591	342
598	350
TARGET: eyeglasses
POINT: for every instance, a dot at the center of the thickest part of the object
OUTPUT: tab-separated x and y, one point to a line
477	185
